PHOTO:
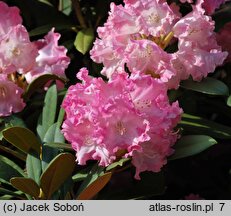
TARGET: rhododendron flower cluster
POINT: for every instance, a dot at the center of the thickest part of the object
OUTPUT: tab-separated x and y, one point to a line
22	60
129	115
137	34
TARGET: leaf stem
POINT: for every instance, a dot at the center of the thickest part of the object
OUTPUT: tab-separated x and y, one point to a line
78	13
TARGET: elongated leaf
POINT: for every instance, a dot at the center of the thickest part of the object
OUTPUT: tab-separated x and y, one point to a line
49	108
121	162
84	39
22	138
34	167
191	145
207	86
82	174
94	173
26	185
15	194
56	173
9	169
53	135
10	122
46	28
39	83
95	187
16	154
198	125
229	101
59	146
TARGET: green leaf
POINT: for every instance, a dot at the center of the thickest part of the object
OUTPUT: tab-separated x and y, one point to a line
191	145
95	187
53	135
94	173
39	83
55	145
121	162
208	85
49	108
15	194
198	125
46	28
16	154
9	169
59	169
26	185
229	101
47	118
34	167
10	121
84	40
81	174
22	138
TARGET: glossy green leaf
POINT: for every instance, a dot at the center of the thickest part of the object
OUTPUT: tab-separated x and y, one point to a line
121	162
34	167
57	145
52	135
84	40
16	154
22	138
197	125
208	85
10	121
95	187
9	169
94	173
26	185
81	174
229	101
49	108
191	145
39	83
14	194
59	169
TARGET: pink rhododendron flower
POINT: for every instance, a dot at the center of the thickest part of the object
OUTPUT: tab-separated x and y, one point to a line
17	53
130	29
9	17
198	51
10	97
224	38
124	114
136	35
52	58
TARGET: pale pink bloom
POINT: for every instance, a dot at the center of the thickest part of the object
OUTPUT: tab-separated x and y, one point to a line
9	17
153	155
145	56
10	97
156	18
224	38
198	52
195	27
51	59
117	38
17	53
103	118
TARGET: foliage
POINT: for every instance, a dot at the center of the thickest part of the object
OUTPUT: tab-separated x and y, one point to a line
36	162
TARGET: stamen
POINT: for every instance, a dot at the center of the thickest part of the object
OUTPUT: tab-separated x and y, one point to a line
120	128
